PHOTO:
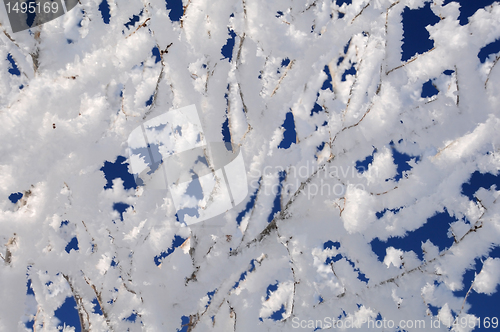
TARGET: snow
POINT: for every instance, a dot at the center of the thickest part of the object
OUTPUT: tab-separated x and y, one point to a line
489	277
304	97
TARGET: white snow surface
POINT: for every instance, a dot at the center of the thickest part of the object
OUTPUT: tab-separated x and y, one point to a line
81	100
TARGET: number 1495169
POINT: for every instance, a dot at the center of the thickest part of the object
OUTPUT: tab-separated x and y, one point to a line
32	7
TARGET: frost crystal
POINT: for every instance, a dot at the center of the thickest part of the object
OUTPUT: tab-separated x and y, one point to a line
358	160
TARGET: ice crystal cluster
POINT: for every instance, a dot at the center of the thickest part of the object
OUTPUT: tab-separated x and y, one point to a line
348	157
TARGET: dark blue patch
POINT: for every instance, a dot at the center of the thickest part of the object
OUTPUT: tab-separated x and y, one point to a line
149	102
270	289
30	17
68	314
341	2
350	71
285	62
381	213
468	8
96	306
81	20
104	9
480	180
346	47
361	275
495	252
339	61
279	13
29	325
401	160
156	54
429	90
491	48
435	230
316	109
252	265
362	165
120	208
210	296
249	205
468	277
226	134
448	72
15	197
327	84
29	289
483	305
415	36
242	277
176	242
64	223
135	18
176	10
132	317
333	259
320	147
278	315
118	169
184	324
227	49
290	135
73	244
13	70
277	198
330	244
434	310
245	273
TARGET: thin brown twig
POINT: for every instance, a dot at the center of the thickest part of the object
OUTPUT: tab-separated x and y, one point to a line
142	25
491	69
410	61
84	321
361	12
283	76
